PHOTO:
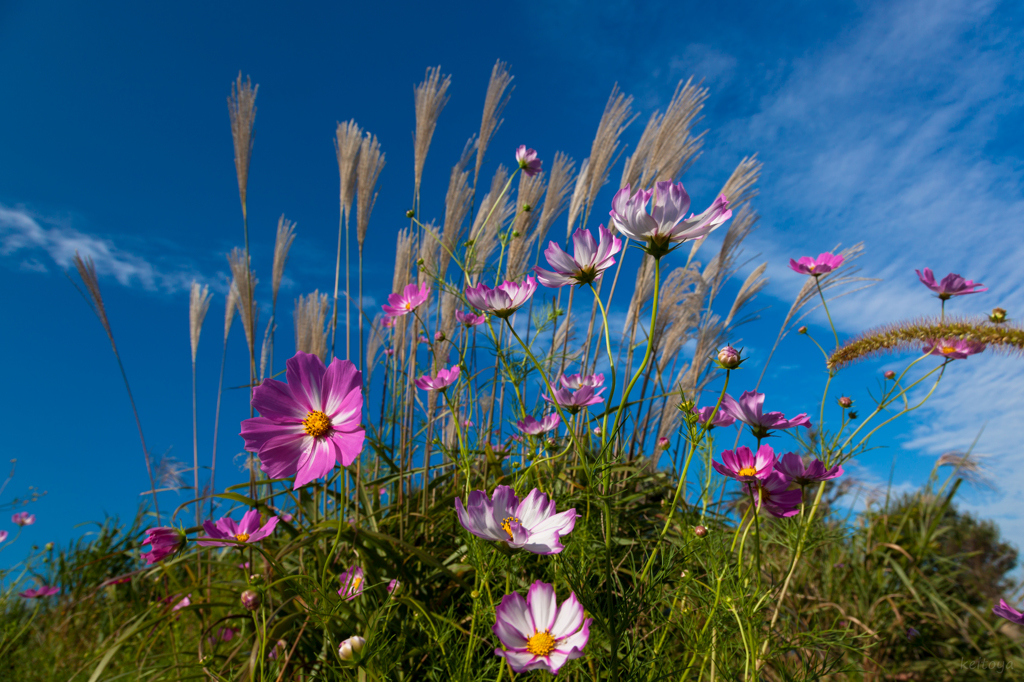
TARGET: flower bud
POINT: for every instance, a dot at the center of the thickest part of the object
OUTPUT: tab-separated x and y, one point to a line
729	358
997	316
597	430
411	213
700	531
351	647
890	375
516	234
845	402
802	330
251	600
419	262
527	208
48	546
394	586
664	443
475	594
255	579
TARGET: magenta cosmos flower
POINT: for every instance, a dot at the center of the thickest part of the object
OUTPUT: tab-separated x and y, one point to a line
439	382
527	160
533	427
23	519
164	542
468	319
247	530
578	381
748	410
537	633
954	349
574	401
723	418
37	592
666	224
504	299
532	524
352	583
591	259
773	495
822	265
746	466
3	535
792	465
407	301
1006	611
950	286
309	423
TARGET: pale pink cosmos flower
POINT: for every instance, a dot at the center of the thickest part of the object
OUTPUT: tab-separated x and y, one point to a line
3	535
247	530
574	401
1006	611
533	427
723	418
23	519
578	381
407	301
527	160
468	319
164	542
41	591
394	584
748	410
588	263
504	299
822	265
532	524
666	224
951	285
773	495
310	423
187	601
350	648
537	633
746	466
423	339
792	465
440	381
352	583
954	349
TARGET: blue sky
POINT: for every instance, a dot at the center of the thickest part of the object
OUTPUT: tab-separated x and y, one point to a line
897	124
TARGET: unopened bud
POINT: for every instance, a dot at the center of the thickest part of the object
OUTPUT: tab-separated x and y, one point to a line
997	316
664	443
527	208
48	546
516	234
410	213
597	430
350	648
475	594
845	402
251	600
890	375
419	262
700	531
394	586
729	358
255	579
852	414
802	330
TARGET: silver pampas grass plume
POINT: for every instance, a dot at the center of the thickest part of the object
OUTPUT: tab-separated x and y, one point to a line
310	318
430	96
242	111
494	105
198	305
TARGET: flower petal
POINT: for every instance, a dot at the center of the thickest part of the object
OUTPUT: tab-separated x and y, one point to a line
543	606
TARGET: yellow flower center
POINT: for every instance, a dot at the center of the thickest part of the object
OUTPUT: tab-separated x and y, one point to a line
242	537
316	424
748	471
948	349
407	305
811	267
506	525
356	582
541	643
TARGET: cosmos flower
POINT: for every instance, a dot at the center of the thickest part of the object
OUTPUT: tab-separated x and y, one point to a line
3	535
746	466
1006	611
41	591
533	427
527	160
409	300
532	524
187	601
309	423
723	418
352	583
822	265
23	519
950	286
349	649
537	633
772	495
574	401
954	349
792	465
748	410
589	261
468	319
164	542
247	530
578	381
504	299
394	584
666	224
439	382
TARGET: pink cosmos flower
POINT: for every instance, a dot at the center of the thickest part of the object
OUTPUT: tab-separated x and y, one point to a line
41	591
746	466
309	423
387	322
532	524
164	542
1006	611
468	319
723	418
352	583
187	601
951	285
3	535
748	410
247	530
815	267
954	349
772	495
223	635
407	301
423	339
578	381
792	465
532	427
439	382
527	160
23	519
394	584
504	299
281	644
574	401
537	633
389	352
666	224
591	259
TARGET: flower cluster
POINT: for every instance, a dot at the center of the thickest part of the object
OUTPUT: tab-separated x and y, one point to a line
767	479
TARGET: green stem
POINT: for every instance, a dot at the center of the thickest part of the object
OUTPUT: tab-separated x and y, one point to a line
650	346
817	283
